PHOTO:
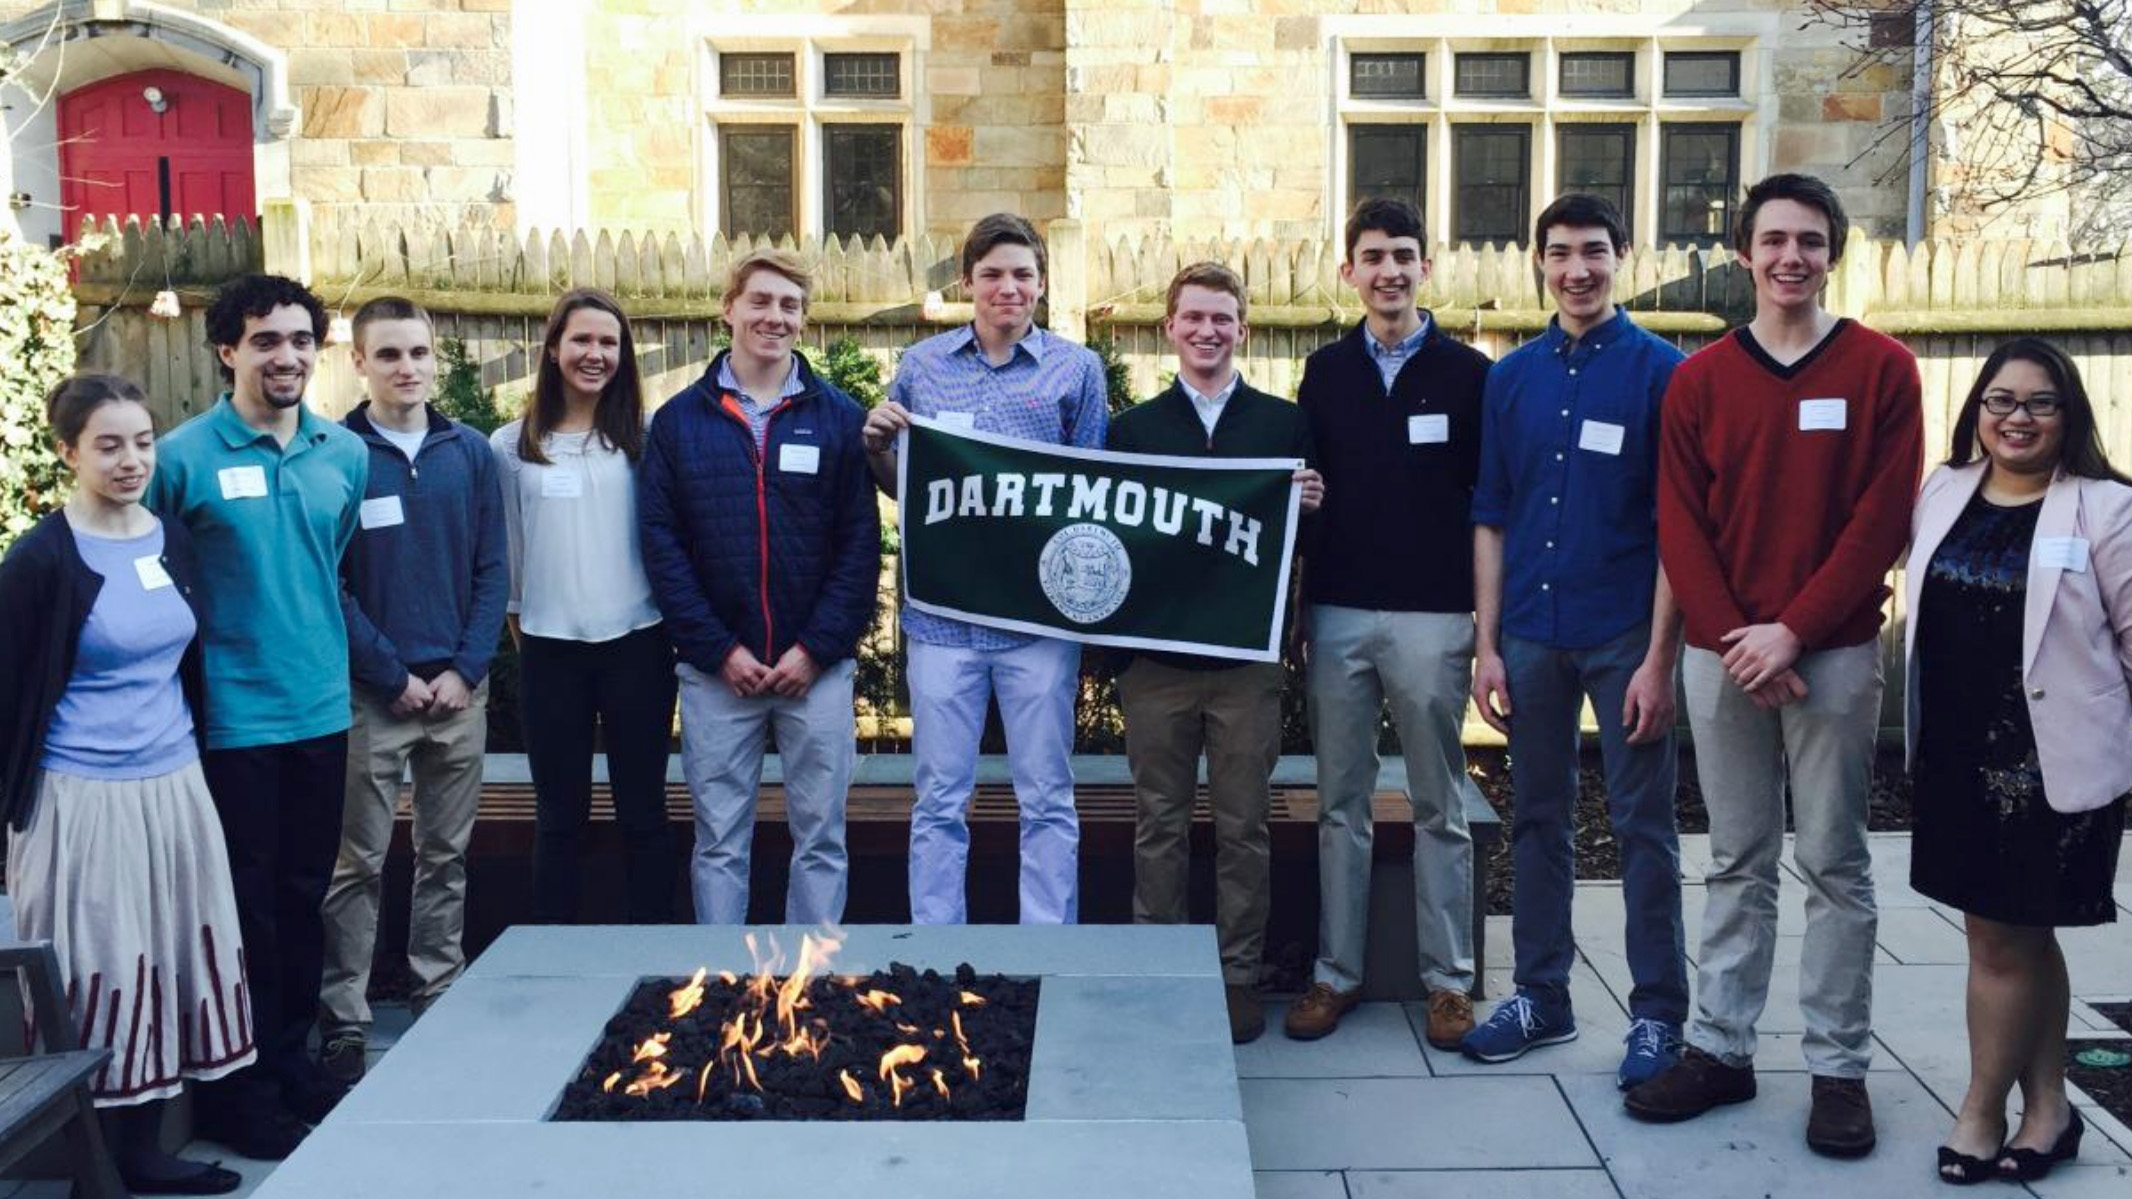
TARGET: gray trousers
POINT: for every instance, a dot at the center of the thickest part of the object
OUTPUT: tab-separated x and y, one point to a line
1422	662
446	754
721	756
1743	755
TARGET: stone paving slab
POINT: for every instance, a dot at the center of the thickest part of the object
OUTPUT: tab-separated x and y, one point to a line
1601	1024
1480	1184
1411	1124
2082	1181
1116	1049
1373	1041
934	1160
1292	1184
1759	1149
632	951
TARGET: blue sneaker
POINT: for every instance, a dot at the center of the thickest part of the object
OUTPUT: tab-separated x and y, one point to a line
1653	1046
1518	1023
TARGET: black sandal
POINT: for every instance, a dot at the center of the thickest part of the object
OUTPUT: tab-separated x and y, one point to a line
1961	1170
2028	1165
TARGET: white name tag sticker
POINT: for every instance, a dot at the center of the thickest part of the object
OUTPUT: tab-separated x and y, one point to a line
2063	553
1430	428
561	483
1818	415
799	459
381	513
1600	437
957	420
242	482
153	576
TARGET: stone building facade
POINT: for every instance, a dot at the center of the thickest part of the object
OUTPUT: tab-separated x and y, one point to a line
1174	118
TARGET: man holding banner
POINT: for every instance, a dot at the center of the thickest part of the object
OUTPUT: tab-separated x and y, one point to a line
1175	704
1000	375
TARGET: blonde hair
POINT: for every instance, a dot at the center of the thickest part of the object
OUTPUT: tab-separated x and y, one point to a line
1214	277
778	262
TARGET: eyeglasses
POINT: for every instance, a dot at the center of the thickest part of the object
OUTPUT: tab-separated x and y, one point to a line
2040	407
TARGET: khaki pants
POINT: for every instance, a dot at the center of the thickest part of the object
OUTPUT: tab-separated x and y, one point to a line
1234	715
445	753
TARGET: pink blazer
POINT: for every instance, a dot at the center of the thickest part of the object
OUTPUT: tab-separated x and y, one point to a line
2076	638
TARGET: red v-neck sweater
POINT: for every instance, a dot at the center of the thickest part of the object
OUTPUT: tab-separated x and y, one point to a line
1761	520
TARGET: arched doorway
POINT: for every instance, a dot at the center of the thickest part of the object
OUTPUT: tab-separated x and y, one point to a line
156	143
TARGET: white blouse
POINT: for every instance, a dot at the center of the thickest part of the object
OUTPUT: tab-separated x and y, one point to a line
577	573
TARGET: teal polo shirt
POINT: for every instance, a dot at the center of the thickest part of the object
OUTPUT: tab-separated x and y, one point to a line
269	523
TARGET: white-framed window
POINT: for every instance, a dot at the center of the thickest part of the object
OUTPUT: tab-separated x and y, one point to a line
1667	121
811	128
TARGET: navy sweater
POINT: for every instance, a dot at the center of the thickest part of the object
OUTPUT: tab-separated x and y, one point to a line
1393	534
427	593
766	548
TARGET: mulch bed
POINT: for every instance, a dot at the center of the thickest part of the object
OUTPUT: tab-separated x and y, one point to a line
1599	856
2110	1086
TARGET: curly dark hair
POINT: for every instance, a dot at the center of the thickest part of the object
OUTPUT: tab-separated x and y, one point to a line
249	297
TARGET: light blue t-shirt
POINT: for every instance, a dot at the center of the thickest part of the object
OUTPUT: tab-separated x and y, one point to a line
269	523
123	715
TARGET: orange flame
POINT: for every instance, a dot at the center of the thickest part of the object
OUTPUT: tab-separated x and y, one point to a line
851	1086
654	1046
703	1078
972	999
970	1063
877	1000
891	1063
940	1082
727	977
611	1080
687	999
656	1077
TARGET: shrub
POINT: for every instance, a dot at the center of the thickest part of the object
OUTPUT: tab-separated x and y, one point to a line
37	344
460	394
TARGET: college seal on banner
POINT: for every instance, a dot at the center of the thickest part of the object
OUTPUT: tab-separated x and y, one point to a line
1085	572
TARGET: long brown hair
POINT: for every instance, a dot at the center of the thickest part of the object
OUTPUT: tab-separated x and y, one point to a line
619	417
2080	453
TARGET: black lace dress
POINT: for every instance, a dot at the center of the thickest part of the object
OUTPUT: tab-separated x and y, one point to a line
1985	839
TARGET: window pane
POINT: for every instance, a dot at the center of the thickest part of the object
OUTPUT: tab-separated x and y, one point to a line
1492	74
1703	73
755	74
1387	161
861	75
863	180
1380	76
1489	179
756	177
1608	74
1700	167
1599	159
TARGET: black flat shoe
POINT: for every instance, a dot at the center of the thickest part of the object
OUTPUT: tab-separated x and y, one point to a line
209	1179
1961	1170
2028	1165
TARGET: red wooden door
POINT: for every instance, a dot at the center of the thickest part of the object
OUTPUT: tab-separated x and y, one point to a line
119	157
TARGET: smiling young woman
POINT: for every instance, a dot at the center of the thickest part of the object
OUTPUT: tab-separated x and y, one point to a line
2019	580
594	656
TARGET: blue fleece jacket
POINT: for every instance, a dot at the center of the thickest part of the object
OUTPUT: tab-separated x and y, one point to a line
766	546
428	572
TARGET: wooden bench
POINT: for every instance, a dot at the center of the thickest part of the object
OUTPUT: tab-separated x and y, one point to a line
48	1092
877	816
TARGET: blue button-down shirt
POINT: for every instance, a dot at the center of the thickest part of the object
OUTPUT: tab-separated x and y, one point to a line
1569	460
1049	390
758	411
1390	359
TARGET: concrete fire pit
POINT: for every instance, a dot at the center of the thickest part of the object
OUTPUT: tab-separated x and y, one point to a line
1132	1086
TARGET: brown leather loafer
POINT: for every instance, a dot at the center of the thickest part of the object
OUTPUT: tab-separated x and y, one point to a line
1318	1012
1688	1088
1247	1017
1450	1018
1841	1122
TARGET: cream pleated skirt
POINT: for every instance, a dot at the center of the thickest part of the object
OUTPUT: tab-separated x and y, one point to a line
129	880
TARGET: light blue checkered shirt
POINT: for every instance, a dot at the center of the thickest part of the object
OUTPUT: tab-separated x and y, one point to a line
758	411
1051	390
1390	358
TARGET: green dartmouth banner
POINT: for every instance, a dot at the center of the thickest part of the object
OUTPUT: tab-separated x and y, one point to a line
1138	550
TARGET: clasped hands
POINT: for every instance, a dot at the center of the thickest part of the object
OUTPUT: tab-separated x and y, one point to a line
748	678
442	696
1760	661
